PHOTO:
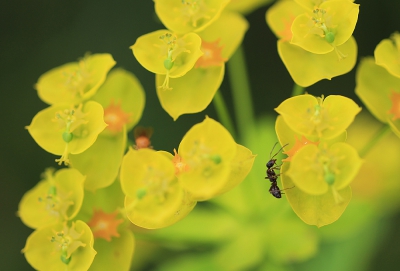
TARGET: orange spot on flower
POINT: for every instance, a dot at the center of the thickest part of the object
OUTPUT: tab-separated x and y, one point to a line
297	146
212	55
180	165
395	110
115	117
104	225
142	137
286	33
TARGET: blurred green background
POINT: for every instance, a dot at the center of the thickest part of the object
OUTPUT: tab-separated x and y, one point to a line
37	36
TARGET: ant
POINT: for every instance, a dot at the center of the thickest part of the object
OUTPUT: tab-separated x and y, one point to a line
272	176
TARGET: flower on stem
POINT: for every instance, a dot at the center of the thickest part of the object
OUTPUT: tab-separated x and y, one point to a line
194	91
75	82
61	247
188	15
57	198
325	27
164	52
305	67
320	166
62	129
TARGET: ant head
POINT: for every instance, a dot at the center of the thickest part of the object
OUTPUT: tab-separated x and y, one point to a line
271	163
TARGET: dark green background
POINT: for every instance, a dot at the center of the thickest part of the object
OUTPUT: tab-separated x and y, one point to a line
36	36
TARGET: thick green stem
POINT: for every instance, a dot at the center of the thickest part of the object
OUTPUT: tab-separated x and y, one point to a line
375	139
297	90
241	92
223	114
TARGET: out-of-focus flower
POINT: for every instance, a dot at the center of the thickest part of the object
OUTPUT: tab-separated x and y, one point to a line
75	82
61	247
188	15
57	198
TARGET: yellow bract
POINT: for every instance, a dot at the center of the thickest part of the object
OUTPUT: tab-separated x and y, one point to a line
316	117
328	25
211	154
194	91
387	54
151	50
154	197
60	247
83	124
185	16
305	66
74	82
57	198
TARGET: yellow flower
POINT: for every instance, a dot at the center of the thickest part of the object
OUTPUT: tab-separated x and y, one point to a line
75	82
57	198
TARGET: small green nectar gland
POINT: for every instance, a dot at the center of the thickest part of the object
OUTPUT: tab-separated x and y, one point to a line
216	159
140	193
328	176
329	36
169	63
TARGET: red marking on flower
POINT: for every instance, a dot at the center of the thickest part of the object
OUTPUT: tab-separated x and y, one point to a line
297	146
115	117
142	137
395	110
180	165
212	55
286	34
104	225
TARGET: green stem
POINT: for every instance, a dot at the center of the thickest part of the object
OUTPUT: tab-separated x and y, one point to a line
222	112
297	90
241	92
375	139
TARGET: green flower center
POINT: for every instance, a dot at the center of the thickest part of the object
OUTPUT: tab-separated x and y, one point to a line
66	242
321	24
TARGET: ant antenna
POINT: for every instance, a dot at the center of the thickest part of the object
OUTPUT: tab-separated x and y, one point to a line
277	151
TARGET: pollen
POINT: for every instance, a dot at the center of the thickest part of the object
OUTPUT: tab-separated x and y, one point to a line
104	225
180	165
297	146
212	55
115	117
395	110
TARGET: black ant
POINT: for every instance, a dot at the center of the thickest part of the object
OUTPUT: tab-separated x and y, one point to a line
272	176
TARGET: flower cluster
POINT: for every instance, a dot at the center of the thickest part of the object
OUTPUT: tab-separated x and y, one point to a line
91	109
320	165
85	209
315	37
